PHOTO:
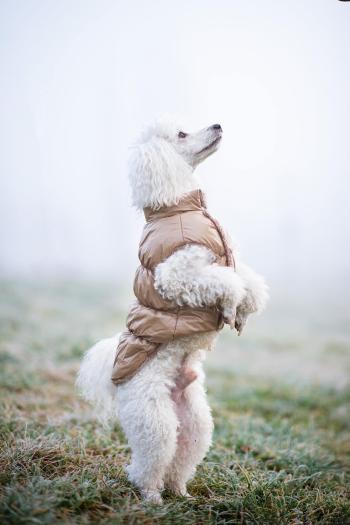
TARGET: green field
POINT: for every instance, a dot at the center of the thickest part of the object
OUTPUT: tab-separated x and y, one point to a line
280	403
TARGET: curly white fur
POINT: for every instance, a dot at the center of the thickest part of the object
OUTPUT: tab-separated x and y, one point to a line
167	174
167	440
161	164
190	277
94	378
170	434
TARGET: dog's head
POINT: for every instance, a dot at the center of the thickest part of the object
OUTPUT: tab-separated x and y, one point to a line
163	161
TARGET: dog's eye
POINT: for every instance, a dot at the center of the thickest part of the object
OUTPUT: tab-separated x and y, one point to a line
182	135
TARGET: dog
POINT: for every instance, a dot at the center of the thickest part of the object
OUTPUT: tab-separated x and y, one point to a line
162	407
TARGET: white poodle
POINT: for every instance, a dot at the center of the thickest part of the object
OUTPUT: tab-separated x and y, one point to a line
163	408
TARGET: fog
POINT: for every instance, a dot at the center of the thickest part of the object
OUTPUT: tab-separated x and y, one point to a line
78	81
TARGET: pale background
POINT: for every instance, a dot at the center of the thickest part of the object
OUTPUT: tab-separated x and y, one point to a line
80	78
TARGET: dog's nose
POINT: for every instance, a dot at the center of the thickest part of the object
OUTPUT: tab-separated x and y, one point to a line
217	126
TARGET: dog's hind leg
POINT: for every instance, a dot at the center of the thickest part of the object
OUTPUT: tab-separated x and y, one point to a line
150	424
194	437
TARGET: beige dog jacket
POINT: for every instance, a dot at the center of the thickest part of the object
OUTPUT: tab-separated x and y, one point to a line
153	320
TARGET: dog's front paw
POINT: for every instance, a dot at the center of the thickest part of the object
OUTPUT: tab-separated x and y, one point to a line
230	322
240	322
229	315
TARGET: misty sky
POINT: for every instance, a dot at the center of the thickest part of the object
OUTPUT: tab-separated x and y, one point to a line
80	78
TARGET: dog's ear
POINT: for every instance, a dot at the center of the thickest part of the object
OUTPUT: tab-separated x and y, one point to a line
158	174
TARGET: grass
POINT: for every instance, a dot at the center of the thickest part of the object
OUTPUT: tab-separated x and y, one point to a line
281	447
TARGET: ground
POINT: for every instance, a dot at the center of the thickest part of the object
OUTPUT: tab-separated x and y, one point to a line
280	403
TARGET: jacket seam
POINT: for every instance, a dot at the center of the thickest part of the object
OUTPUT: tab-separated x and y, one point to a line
208	309
182	231
158	218
228	252
176	320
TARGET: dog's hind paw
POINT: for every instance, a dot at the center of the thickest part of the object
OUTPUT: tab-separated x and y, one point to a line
178	490
152	496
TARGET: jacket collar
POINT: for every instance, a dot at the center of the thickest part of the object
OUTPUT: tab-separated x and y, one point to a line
192	201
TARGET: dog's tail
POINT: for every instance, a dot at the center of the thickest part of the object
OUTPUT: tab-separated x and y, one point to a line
94	378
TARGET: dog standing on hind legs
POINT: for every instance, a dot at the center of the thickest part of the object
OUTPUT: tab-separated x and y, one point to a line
189	284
